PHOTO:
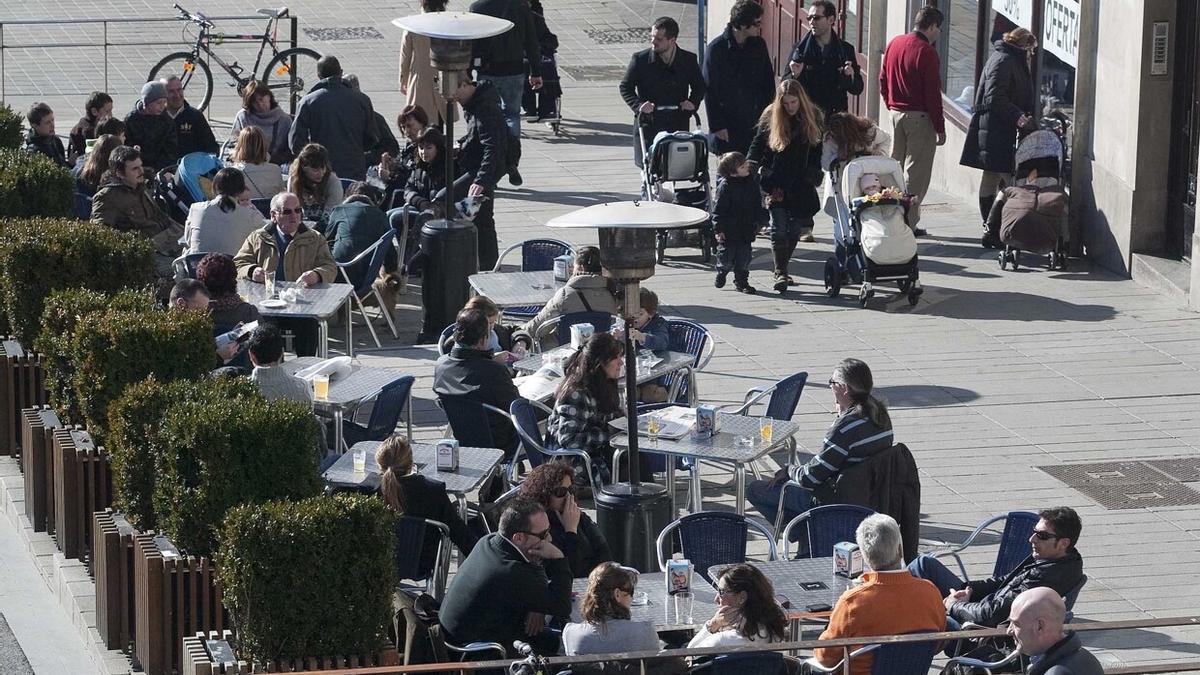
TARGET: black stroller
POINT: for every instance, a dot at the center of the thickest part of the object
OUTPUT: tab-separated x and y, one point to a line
675	169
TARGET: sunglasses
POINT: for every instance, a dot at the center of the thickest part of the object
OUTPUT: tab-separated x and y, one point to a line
560	491
1042	535
289	212
725	591
540	535
814	17
833	382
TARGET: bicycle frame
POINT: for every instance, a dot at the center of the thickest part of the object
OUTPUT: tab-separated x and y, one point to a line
205	39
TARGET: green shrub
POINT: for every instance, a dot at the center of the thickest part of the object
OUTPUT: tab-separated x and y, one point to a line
39	256
218	454
10	128
308	579
134	436
64	309
118	348
31	184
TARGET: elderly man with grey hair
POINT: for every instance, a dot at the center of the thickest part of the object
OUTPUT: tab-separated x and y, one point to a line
1036	625
888	602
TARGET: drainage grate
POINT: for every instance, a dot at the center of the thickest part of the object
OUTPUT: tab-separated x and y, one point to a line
343	34
1131	484
1182	469
618	36
1141	495
1104	473
595	73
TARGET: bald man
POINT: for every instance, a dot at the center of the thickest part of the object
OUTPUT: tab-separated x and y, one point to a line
1036	624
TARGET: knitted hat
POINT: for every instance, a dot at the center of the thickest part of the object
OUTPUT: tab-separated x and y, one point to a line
152	91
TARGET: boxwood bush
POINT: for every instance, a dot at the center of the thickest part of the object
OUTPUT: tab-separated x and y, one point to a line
135	441
10	128
308	579
64	309
118	348
33	185
39	256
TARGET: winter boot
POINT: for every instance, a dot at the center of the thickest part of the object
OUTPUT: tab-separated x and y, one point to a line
513	159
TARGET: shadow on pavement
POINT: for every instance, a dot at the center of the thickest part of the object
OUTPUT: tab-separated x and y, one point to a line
707	315
1004	306
924	395
569	198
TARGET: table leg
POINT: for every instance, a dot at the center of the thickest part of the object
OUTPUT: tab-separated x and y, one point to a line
697	498
464	509
323	338
740	495
350	328
671	485
339	443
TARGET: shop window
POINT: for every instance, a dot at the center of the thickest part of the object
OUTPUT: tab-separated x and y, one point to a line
958	48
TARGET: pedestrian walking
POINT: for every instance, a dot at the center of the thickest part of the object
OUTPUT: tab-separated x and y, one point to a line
503	61
338	117
418	79
1004	103
737	214
787	151
739	77
665	75
824	63
911	85
482	156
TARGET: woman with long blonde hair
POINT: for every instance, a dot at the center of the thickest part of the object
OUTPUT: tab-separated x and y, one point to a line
787	152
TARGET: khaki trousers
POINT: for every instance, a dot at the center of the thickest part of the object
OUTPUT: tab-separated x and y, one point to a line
913	144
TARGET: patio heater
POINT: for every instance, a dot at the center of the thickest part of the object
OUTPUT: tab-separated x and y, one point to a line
631	514
450	245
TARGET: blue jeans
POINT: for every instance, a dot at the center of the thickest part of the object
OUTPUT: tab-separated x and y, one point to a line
787	226
416	219
735	257
931	569
511	88
765	497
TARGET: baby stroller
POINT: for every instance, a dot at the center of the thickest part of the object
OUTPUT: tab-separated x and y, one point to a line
675	169
545	104
1032	216
178	187
873	241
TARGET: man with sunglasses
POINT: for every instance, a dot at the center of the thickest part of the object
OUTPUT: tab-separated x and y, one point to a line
509	583
740	79
1053	563
824	63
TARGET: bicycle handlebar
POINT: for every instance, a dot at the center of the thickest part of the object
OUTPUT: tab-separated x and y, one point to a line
198	17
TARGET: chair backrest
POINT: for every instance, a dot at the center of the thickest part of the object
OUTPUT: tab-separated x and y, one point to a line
410	542
469	421
378	255
601	321
444	339
1073	595
524	418
389	405
750	663
712	538
903	657
83	206
263	204
786	396
825	526
185	265
1014	542
346	183
688	337
537	255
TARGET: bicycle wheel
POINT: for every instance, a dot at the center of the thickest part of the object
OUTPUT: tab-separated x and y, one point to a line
279	75
192	72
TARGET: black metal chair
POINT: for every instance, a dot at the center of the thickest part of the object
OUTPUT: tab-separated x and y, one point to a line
711	538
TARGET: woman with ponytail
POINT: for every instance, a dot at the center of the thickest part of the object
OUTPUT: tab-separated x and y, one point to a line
408	493
862	429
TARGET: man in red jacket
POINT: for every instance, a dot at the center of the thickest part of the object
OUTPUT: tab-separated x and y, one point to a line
911	84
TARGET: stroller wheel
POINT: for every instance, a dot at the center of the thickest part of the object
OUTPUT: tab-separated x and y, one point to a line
833	278
662	248
1003	258
864	294
904	285
913	295
1013	259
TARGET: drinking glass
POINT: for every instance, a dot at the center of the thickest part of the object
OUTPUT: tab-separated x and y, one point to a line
683	608
653	426
643	363
360	461
321	387
766	429
269	282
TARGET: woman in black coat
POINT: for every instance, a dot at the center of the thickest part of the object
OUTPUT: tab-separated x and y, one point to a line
1004	103
572	531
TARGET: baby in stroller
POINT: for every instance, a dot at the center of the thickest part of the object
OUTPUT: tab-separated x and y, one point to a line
1032	215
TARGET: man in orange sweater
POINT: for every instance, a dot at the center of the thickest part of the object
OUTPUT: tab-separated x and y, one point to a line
890	601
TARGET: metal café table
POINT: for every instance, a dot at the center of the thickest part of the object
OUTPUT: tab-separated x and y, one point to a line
660	607
474	465
722	448
540	388
803	582
318	303
516	289
348	392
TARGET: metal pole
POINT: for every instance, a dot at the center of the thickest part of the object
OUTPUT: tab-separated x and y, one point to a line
2	78
448	158
635	476
105	56
702	25
294	24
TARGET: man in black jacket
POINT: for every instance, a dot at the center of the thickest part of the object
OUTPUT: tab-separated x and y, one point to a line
339	118
1055	563
509	583
825	64
482	153
473	372
1036	625
191	129
41	138
502	61
663	75
148	128
740	79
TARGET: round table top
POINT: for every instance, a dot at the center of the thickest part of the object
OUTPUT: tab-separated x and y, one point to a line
453	25
631	215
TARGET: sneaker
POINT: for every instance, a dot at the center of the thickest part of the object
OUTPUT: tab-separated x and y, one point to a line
806	236
791	281
514	177
920	232
781	283
719	282
747	289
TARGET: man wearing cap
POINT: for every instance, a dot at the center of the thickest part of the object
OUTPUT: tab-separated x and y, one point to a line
191	129
148	128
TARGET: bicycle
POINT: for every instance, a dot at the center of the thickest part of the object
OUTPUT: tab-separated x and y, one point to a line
289	70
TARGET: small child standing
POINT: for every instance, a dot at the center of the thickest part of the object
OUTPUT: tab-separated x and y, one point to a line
737	212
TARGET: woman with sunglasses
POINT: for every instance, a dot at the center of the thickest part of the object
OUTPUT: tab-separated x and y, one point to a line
862	428
551	485
606	627
746	611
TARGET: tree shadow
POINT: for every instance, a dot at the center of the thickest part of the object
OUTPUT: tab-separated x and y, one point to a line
1003	306
924	395
566	197
710	315
1135	638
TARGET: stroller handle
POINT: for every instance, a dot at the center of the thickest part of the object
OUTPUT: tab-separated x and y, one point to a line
692	114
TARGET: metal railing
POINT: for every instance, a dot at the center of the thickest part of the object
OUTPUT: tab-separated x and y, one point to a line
104	42
845	644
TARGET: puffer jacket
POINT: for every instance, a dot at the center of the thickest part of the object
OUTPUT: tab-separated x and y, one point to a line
155	135
483	148
341	119
996	595
308	251
793	171
1005	93
583	293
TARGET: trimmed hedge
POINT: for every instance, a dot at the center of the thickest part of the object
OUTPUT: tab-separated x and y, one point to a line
64	309
33	185
42	255
308	579
10	128
118	348
134	437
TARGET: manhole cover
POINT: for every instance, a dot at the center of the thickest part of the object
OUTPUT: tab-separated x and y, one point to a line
618	36
1182	469
1141	495
595	73
1103	473
343	34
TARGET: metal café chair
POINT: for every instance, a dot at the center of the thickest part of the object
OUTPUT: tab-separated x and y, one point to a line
394	399
890	658
561	325
185	265
784	396
747	663
376	254
711	538
537	255
263	204
688	337
824	526
469	421
524	415
1014	542
410	543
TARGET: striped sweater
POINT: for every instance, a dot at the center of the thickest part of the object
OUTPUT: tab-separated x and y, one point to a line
852	439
